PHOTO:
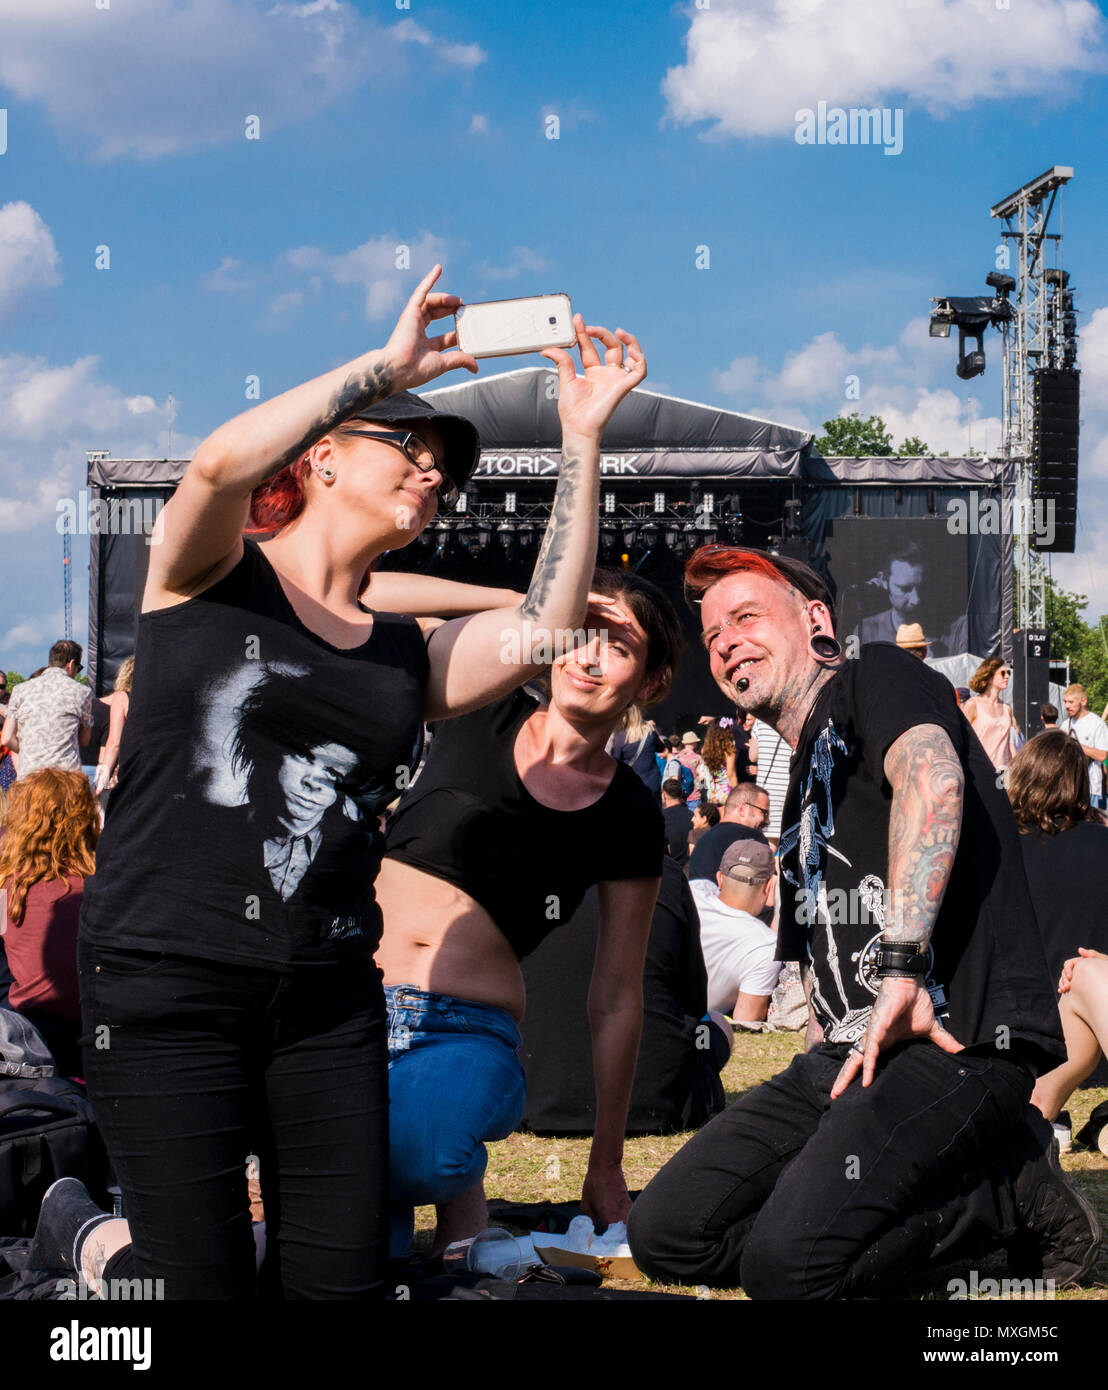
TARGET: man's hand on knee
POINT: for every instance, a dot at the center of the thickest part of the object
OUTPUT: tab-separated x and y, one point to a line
902	1010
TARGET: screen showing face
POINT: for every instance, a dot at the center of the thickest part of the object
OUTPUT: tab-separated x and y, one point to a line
891	572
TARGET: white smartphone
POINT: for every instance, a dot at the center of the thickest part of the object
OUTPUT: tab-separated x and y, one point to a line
505	327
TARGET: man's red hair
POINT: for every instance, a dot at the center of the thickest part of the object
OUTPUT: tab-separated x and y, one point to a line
711	563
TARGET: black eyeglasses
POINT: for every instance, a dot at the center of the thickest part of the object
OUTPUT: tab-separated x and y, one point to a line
419	452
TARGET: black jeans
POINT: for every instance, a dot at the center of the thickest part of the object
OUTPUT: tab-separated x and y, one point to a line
792	1195
193	1065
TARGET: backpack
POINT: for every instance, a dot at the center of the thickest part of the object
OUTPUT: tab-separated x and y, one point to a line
684	775
47	1131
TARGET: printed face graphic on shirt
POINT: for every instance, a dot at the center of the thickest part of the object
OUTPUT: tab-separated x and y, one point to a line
310	782
278	749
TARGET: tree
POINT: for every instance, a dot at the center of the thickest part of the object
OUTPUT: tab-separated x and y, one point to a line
1085	645
914	447
854	437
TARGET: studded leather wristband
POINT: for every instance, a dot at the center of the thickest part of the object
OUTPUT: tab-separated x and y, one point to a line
900	960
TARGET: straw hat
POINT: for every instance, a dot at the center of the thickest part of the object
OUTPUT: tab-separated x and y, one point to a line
911	635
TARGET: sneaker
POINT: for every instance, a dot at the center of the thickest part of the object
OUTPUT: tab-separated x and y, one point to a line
1094	1134
1060	1235
1063	1132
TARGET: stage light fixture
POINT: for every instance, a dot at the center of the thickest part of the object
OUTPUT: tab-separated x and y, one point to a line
609	503
1003	284
971	316
659	502
462	503
509	501
1055	275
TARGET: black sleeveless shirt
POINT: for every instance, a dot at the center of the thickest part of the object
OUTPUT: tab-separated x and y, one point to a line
470	820
255	760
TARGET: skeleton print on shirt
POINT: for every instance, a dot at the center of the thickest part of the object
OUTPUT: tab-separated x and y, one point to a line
844	912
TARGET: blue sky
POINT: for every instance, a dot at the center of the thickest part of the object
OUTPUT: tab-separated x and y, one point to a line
427	126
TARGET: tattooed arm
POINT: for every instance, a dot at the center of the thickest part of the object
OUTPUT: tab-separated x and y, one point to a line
200	529
928	783
475	660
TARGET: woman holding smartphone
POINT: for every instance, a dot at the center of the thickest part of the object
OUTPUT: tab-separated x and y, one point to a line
230	1000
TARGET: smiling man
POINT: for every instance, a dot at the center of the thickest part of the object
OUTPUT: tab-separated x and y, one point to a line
904	1136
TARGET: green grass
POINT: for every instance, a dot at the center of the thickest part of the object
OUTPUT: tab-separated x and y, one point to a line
526	1168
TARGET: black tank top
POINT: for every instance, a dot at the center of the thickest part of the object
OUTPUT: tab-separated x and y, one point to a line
254	762
470	820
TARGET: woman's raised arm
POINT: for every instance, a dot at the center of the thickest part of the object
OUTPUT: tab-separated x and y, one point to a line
202	524
475	660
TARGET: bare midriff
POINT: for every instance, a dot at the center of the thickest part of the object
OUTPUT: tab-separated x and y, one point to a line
437	938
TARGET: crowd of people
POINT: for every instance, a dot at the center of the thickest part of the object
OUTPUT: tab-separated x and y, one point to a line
304	928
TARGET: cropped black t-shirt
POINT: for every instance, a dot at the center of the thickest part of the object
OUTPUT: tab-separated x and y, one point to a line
255	760
470	820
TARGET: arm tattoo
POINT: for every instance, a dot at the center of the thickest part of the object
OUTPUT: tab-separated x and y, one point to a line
553	547
928	784
358	392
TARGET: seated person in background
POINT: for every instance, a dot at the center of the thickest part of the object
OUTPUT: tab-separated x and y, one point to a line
1083	1006
1065	854
677	1085
1065	848
47	850
739	949
705	818
678	819
743	817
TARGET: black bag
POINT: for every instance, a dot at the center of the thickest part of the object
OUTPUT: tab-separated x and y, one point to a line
47	1131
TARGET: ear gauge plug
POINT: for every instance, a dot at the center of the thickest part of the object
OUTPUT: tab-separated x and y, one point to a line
824	647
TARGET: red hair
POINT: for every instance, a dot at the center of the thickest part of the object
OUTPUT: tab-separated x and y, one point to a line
51	826
277	501
711	563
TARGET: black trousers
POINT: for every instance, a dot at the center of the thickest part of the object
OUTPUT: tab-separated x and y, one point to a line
792	1195
192	1066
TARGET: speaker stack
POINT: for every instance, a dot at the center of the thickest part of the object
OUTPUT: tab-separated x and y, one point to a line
1055	397
1030	678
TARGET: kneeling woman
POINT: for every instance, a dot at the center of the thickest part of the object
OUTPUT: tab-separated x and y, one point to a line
518	811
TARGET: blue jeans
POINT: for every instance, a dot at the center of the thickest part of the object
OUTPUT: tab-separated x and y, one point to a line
455	1080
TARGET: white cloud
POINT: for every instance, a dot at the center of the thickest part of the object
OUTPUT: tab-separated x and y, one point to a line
751	64
52	414
479	125
28	257
185	74
28	634
905	383
570	114
521	259
817	376
305	272
229	277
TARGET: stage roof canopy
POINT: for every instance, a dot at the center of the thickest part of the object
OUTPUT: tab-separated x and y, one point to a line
650	435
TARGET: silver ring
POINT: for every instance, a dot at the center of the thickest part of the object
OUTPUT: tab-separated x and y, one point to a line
626	368
859	1047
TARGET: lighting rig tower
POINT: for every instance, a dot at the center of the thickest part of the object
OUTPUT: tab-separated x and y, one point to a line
67	584
1040	385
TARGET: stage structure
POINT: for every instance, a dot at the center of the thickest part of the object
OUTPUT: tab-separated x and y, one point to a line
675	474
